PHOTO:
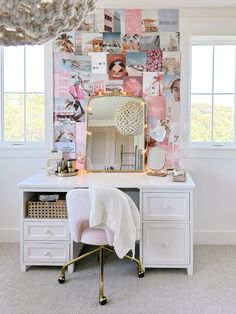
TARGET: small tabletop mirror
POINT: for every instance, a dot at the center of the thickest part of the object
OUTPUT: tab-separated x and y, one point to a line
156	158
115	133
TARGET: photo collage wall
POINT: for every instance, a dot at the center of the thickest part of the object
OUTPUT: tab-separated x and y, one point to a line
133	50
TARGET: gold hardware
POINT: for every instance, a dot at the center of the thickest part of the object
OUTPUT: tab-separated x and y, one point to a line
101	249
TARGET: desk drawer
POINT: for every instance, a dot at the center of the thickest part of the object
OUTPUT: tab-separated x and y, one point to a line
46	252
46	231
166	206
165	244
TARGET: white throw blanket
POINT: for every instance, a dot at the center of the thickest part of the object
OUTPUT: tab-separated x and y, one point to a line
116	211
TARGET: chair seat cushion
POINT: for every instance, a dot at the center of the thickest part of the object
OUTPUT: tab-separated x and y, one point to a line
94	236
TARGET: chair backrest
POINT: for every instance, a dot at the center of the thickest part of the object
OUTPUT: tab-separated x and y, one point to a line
78	208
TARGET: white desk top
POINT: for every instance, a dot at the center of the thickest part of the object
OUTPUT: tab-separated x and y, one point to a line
119	180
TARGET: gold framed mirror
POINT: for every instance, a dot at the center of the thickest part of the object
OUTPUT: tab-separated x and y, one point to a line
115	134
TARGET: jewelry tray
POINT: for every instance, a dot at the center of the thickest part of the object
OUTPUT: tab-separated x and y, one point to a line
66	174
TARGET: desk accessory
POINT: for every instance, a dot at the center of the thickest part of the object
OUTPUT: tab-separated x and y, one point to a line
179	176
66	174
156	162
66	168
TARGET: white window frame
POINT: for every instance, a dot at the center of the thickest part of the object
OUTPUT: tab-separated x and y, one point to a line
199	27
213	41
36	149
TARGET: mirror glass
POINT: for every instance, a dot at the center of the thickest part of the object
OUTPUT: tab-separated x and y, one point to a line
115	133
156	158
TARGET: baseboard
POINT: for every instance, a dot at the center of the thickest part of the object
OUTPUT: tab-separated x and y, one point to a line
214	237
9	235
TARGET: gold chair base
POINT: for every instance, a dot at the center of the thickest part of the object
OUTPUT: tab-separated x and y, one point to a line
101	249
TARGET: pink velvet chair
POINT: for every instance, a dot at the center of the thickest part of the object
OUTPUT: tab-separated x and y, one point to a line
78	207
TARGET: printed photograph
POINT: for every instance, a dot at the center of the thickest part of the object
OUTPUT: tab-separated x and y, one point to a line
171	63
99	21
172	155
149	23
153	83
64	132
170	41
65	43
156	106
133	19
109	20
168	20
116	66
99	62
61	106
112	85
111	42
92	42
67	148
154	60
149	42
130	43
78	63
78	43
136	63
61	83
59	65
98	83
172	87
133	86
79	83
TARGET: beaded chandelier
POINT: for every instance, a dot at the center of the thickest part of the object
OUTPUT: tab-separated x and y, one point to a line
129	118
30	22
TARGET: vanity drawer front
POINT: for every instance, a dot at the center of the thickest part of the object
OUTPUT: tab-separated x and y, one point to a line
46	252
40	231
166	206
165	244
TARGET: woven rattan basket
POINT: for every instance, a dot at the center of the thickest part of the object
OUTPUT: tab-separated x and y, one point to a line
54	210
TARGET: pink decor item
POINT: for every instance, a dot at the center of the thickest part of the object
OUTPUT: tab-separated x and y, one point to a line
133	86
133	20
154	60
76	92
156	106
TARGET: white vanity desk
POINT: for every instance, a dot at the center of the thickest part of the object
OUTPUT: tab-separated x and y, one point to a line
166	215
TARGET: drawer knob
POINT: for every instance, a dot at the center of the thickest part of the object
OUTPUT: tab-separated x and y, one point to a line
47	231
46	253
165	244
166	206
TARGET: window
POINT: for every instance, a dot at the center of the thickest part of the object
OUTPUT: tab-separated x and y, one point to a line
107	17
23	99
108	29
213	91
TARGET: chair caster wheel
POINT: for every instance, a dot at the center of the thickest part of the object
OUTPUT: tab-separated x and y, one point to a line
62	279
102	300
141	273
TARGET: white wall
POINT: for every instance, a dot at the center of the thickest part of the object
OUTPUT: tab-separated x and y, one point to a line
13	170
214	172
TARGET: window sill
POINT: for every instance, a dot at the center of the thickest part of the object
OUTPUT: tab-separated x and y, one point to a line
215	152
24	152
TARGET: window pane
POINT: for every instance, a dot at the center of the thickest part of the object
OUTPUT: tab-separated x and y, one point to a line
202	58
13	117
35	117
14	69
223	118
224	69
35	69
201	115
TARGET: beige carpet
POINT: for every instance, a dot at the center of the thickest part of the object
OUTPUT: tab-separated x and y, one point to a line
212	288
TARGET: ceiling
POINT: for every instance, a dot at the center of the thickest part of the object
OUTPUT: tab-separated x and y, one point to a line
166	3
